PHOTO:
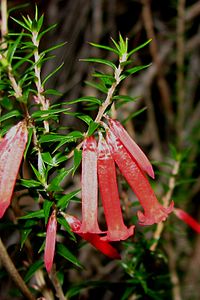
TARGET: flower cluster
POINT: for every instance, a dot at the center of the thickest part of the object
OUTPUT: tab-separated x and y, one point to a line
99	169
99	162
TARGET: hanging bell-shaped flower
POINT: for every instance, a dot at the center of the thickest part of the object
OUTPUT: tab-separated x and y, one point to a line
12	148
154	212
109	194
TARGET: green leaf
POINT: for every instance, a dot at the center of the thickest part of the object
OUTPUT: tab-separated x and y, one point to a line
100	61
139	47
33	268
106	79
46	207
116	45
49	112
12	48
46	156
77	160
30	134
52	92
64	200
133	70
85	99
53	48
52	73
40	23
26	231
92	127
72	136
46	30
11	114
39	214
62	221
64	252
30	183
21	24
97	86
87	119
123	44
134	114
54	186
38	175
105	48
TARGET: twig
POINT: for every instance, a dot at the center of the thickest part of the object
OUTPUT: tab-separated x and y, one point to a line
162	83
56	284
176	292
180	54
108	99
4	22
14	274
166	200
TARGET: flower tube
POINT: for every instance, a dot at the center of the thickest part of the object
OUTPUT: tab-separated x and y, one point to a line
89	187
50	241
154	212
12	148
109	194
133	149
94	239
186	218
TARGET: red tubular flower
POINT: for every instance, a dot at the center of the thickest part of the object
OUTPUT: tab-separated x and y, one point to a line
93	239
154	212
12	147
109	194
89	187
133	149
185	217
49	250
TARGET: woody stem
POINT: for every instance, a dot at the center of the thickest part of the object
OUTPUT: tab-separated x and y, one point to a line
166	199
14	274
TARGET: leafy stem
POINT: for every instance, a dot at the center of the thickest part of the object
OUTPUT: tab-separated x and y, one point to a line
108	101
38	82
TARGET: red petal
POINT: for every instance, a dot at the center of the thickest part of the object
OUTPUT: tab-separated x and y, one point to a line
11	153
185	217
154	212
49	250
109	194
94	239
89	187
131	146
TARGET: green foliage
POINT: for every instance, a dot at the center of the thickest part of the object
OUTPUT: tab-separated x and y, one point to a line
48	149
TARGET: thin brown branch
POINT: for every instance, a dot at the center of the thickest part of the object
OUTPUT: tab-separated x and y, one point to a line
166	199
162	83
180	57
12	271
176	291
56	284
4	22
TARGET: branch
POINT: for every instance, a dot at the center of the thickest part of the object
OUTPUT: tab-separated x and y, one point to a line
166	200
12	271
180	54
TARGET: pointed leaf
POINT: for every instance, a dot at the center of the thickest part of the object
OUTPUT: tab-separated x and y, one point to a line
100	61
64	252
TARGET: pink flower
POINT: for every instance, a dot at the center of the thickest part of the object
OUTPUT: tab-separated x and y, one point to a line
89	187
154	212
92	238
134	150
12	148
110	196
50	241
186	218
